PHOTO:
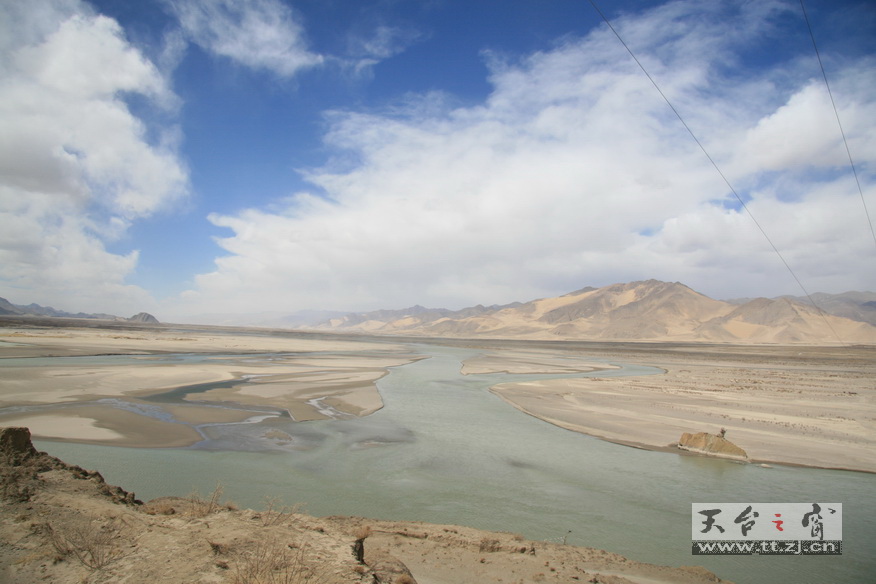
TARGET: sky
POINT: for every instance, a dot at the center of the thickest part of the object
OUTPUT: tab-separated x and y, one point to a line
198	157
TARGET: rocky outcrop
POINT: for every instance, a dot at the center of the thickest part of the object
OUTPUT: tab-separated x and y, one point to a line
21	467
15	444
711	444
144	317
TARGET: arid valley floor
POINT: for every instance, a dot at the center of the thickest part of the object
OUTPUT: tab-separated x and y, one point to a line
797	404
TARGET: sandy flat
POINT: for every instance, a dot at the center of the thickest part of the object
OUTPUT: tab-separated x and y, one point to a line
55	426
352	393
814	411
277	372
60	341
104	425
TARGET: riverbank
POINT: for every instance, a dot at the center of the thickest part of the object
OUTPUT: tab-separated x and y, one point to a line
104	396
807	406
64	524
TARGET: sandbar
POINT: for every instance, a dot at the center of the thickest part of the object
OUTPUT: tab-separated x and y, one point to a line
811	406
103	425
532	361
115	374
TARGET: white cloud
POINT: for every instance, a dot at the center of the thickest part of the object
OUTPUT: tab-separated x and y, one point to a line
381	43
76	167
573	172
262	34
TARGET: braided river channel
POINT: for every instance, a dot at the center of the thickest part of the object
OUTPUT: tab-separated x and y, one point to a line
446	450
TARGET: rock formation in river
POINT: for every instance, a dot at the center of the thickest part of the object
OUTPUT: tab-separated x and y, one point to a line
711	444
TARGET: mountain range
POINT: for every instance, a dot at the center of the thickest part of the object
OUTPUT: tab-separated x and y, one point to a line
638	311
649	310
7	308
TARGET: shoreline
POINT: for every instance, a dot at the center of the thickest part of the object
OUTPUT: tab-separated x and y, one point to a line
192	538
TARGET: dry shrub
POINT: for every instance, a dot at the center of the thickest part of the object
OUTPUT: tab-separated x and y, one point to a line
362	532
276	513
95	544
201	507
276	563
489	545
161	506
219	549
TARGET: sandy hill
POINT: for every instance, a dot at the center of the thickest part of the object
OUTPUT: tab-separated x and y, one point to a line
63	524
638	311
854	305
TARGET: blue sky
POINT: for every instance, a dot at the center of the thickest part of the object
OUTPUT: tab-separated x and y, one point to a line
191	156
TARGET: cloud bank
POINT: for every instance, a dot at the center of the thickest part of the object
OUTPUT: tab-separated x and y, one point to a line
574	172
76	165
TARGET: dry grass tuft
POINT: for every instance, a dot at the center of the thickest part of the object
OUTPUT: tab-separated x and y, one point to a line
201	507
276	563
93	543
276	513
162	506
362	532
219	549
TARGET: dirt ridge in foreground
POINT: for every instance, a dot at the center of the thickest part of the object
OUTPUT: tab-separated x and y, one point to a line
63	524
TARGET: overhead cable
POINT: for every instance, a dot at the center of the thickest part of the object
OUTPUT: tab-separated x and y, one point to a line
717	168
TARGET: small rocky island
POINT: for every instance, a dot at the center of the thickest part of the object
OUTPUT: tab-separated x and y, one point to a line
712	445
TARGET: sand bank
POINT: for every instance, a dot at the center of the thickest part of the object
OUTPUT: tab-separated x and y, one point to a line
265	374
72	341
104	425
811	407
531	361
349	385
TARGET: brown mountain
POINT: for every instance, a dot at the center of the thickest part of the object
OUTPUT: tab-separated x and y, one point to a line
638	311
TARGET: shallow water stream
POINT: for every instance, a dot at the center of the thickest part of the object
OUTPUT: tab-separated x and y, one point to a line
445	450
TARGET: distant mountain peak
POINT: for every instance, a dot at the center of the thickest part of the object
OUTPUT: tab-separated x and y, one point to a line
144	317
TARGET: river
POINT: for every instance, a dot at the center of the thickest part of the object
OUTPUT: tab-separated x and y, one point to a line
446	450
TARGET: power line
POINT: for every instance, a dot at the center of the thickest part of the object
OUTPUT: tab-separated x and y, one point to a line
838	122
717	168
